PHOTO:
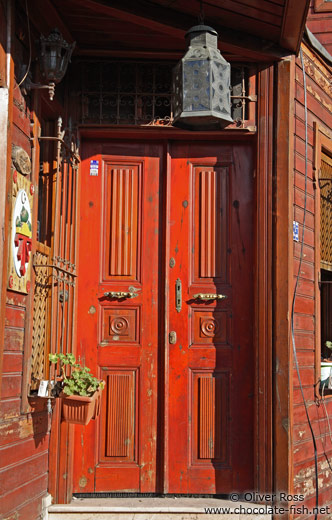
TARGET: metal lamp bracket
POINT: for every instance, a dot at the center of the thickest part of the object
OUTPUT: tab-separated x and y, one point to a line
34	86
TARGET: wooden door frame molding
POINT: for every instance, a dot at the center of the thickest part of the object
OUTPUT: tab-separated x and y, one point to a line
263	283
283	277
263	255
6	124
322	142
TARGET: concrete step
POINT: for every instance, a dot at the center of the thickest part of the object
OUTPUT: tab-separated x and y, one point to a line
157	509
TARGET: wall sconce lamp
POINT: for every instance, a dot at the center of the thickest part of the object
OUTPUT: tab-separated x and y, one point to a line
53	56
201	83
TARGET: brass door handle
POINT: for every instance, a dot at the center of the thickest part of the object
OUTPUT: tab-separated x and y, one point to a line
207	296
120	294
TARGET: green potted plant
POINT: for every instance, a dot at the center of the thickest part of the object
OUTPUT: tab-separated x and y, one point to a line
81	391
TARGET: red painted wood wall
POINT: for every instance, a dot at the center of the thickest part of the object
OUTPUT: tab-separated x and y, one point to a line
319	22
319	103
24	435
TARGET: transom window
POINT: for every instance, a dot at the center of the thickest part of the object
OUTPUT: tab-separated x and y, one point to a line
139	93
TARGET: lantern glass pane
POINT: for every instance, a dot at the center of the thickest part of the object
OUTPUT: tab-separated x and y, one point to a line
196	85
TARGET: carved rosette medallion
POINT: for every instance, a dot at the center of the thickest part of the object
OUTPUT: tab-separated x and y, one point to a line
21	235
119	326
209	327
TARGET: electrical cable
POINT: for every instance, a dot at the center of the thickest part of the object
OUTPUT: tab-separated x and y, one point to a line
297	281
29	35
201	13
327	417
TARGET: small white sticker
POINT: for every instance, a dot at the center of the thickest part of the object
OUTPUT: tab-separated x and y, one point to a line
43	388
94	168
295	231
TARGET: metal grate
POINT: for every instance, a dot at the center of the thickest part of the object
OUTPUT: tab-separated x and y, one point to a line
325	183
139	93
124	93
40	316
60	263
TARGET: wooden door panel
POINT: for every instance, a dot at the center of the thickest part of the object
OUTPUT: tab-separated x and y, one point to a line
211	364
122	217
118	334
210	221
120	325
210	413
118	436
210	327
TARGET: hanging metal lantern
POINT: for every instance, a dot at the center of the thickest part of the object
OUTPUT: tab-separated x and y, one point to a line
201	83
55	54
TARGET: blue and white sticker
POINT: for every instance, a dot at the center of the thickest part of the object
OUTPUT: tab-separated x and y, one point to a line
295	231
94	168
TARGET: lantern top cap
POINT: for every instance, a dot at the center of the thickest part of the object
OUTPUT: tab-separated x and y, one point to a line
201	29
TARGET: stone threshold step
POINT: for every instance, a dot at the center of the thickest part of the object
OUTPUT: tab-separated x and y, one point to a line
156	509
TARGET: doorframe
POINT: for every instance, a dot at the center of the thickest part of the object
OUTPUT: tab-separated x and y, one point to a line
262	144
264	282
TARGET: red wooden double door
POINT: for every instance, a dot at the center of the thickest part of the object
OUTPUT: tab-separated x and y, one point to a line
165	317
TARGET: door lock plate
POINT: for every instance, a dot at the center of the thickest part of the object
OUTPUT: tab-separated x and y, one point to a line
178	295
172	337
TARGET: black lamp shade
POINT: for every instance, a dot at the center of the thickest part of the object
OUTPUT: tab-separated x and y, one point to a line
55	54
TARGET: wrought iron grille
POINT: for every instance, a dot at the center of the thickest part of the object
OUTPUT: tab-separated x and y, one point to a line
54	320
325	184
139	93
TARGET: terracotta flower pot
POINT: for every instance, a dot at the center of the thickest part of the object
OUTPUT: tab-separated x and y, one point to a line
79	409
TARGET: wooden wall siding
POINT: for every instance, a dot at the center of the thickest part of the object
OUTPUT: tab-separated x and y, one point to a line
319	101
24	436
5	122
320	24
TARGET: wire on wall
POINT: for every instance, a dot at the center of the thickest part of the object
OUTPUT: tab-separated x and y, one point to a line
297	280
29	36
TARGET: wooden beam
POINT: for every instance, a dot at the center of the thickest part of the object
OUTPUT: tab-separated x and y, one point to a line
50	20
132	53
294	19
263	283
6	128
150	54
175	25
283	277
142	19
